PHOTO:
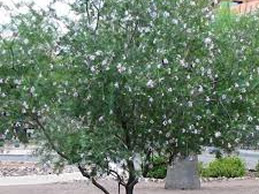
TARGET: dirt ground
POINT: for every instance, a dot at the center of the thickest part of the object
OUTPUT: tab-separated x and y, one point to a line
227	187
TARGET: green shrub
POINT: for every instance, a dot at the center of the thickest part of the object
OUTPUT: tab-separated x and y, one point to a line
1	143
229	167
201	168
158	169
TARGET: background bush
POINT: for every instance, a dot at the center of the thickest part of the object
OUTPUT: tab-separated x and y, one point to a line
229	167
1	143
158	168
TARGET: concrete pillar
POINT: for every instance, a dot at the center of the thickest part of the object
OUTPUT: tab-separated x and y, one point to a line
183	174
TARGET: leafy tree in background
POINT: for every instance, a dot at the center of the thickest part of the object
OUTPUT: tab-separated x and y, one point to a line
123	80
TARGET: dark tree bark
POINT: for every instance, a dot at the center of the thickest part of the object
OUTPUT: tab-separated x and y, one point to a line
129	190
133	180
95	183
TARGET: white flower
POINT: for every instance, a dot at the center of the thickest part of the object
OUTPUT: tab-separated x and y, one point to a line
169	121
229	145
183	63
199	117
175	21
224	96
164	123
26	41
170	89
92	57
209	72
243	90
165	61
25	105
190	103
104	62
18	82
93	69
32	90
116	85
150	84
101	118
200	89
166	14
121	68
23	111
75	94
207	40
217	134
192	3
98	53
257	127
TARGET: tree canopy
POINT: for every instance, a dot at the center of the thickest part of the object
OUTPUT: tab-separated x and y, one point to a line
124	79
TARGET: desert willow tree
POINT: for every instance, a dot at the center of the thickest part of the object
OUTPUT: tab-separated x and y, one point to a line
124	80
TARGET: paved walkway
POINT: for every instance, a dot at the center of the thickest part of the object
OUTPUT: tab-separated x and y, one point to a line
40	179
231	187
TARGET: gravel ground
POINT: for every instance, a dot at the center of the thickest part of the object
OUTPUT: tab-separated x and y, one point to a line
10	169
82	187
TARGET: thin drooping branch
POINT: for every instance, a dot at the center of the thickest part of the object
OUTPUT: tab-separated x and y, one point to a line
81	169
119	178
95	183
50	141
98	17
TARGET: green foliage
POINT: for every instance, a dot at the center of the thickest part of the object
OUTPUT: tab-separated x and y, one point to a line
229	167
201	168
158	168
1	143
88	90
218	154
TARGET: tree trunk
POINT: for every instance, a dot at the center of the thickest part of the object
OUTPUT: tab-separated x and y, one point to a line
183	174
129	190
95	183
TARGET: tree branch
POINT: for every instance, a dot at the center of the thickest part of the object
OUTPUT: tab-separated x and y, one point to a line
98	18
50	141
95	183
121	181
